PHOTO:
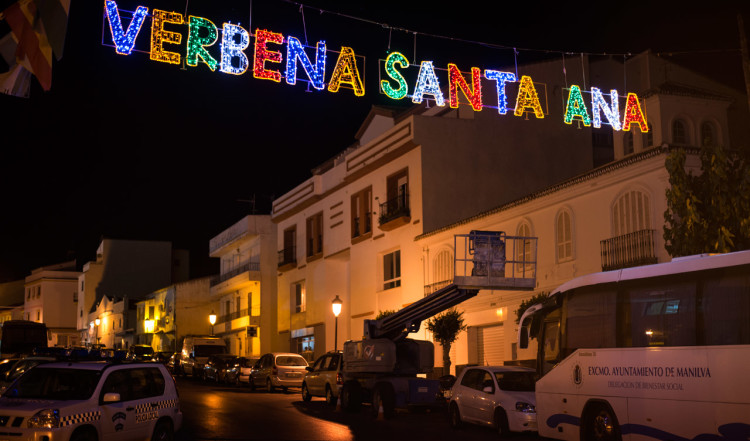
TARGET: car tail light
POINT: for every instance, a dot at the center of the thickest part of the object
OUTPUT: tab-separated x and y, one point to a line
339	379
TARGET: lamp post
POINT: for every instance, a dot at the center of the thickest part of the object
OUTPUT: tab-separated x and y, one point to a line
96	322
336	305
212	320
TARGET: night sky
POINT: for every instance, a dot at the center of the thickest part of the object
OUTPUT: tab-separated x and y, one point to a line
129	148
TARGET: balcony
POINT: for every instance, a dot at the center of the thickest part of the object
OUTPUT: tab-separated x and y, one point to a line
628	250
249	266
288	258
395	212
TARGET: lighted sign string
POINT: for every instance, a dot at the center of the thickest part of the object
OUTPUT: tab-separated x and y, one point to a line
346	72
235	39
316	73
576	107
159	36
393	59
457	81
202	33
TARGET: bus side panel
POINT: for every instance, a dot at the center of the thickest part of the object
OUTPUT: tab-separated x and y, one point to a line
670	393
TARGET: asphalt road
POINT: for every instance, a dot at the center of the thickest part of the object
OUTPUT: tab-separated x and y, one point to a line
218	412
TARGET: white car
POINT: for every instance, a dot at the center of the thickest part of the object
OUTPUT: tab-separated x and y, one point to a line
89	401
497	396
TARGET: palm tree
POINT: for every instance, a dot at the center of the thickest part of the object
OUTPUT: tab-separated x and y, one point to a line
445	328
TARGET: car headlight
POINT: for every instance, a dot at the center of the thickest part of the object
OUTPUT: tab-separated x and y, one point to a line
47	418
525	407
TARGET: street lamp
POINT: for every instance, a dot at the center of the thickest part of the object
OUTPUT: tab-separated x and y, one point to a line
336	305
97	321
212	320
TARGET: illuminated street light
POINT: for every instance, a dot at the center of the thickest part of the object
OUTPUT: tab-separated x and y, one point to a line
336	306
96	322
212	320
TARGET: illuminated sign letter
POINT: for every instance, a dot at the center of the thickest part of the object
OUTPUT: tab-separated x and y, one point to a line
633	114
527	98
232	49
196	45
316	73
599	104
262	54
457	81
576	107
124	41
346	72
391	61
159	36
501	78
427	83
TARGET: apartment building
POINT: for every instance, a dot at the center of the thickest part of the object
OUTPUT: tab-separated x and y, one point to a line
374	225
243	295
51	297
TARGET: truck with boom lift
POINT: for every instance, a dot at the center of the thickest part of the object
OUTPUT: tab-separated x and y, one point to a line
386	368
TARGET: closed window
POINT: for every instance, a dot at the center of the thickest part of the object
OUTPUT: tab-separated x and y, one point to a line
679	132
392	270
708	134
631	213
361	212
628	148
524	253
564	237
315	235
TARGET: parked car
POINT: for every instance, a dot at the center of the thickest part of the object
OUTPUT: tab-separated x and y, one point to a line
140	353
173	364
239	372
278	369
82	401
498	396
324	378
212	370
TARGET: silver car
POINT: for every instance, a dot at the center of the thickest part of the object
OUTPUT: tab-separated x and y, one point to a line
278	369
498	396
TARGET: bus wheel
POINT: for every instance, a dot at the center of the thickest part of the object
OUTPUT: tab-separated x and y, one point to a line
600	424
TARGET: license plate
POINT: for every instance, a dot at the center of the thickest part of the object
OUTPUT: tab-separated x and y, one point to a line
292	374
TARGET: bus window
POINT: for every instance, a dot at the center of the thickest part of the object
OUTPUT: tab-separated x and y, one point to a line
726	310
551	346
663	314
590	319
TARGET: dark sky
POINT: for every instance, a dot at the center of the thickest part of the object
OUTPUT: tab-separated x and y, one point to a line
125	147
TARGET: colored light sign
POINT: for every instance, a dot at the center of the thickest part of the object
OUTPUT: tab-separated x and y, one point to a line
269	55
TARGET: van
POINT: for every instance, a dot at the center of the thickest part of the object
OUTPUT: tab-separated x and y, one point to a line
195	353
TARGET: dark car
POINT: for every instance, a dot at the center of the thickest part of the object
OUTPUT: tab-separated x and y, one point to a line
212	371
173	364
140	353
239	371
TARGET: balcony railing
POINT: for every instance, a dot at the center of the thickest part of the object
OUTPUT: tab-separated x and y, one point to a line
249	266
396	208
235	315
628	250
288	256
429	289
356	222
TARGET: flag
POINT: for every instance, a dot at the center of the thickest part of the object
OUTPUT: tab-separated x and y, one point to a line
38	28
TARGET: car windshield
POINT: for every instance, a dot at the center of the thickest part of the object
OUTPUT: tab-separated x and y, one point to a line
55	384
516	381
140	350
290	360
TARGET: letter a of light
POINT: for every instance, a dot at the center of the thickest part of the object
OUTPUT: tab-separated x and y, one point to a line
124	40
316	73
231	49
346	72
576	107
427	83
633	114
599	104
527	98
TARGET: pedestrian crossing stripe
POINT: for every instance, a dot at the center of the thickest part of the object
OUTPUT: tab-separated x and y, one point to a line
79	418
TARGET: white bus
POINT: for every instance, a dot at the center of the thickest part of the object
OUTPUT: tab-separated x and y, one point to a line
658	352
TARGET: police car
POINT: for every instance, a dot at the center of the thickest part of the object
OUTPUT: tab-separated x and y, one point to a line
90	401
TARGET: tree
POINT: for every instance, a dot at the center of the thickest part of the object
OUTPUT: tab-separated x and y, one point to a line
445	328
710	212
536	298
